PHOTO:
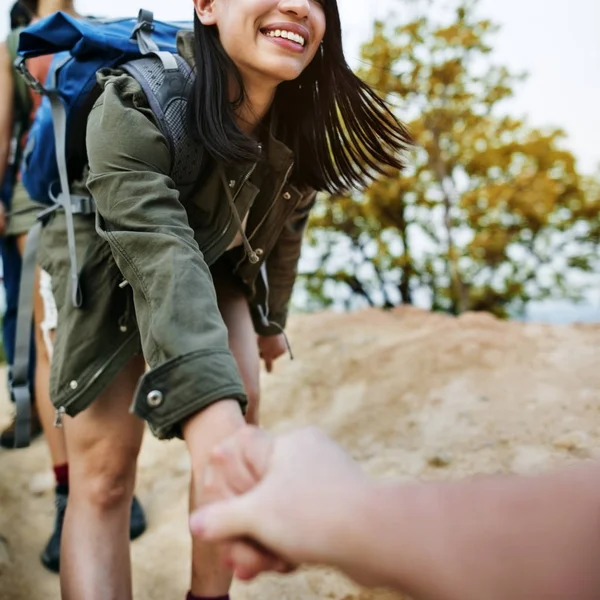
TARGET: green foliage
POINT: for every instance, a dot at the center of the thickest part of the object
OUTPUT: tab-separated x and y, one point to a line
491	214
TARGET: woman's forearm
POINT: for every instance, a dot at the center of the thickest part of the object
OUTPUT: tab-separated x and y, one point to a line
492	538
6	108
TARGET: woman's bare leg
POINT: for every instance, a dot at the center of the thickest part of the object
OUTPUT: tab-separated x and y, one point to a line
103	443
206	429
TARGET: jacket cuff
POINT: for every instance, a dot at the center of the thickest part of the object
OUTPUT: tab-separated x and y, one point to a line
275	325
179	388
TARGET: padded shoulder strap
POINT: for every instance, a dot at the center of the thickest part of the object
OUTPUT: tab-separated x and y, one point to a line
23	102
166	80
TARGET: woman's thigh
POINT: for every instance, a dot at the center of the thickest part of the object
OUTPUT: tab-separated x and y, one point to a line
242	337
103	441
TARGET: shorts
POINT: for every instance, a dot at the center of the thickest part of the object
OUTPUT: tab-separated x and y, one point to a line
23	212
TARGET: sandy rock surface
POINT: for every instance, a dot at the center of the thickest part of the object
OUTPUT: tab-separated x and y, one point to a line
411	395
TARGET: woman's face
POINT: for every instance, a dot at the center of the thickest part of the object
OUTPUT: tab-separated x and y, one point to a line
270	41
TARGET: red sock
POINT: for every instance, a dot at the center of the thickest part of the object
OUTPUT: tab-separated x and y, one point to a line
61	473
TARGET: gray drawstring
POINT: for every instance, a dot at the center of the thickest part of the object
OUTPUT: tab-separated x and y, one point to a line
252	256
266	323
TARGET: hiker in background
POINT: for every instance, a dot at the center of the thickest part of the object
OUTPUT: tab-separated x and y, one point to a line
198	285
21	218
15	110
19	16
299	498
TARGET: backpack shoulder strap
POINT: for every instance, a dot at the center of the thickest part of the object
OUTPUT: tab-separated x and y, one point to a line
166	79
23	102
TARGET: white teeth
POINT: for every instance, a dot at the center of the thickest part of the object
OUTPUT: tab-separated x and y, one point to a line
287	35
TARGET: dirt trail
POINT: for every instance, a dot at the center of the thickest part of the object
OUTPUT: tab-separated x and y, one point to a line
411	395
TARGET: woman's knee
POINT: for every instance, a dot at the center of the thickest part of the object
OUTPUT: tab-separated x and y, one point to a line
104	476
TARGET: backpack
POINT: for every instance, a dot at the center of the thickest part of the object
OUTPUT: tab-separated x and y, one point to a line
55	153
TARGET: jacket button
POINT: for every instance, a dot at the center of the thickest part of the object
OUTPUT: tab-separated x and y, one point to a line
232	183
73	385
154	398
259	252
287	196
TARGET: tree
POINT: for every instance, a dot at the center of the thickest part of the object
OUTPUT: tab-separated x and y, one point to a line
492	213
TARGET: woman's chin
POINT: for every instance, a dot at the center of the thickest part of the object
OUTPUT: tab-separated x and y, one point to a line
283	70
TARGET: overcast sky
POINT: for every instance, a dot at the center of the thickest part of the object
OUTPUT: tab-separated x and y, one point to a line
555	41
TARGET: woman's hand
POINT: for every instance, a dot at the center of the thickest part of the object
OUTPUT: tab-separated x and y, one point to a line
270	348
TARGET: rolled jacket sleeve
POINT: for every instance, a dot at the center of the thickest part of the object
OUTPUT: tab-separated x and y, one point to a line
183	336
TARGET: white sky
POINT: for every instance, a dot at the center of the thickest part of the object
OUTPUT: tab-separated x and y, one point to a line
555	41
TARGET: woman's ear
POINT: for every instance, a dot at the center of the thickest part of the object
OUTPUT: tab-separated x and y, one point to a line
205	9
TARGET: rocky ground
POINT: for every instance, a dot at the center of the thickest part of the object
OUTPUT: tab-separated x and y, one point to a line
410	394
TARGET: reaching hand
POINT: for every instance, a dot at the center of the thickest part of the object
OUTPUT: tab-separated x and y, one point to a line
284	501
271	347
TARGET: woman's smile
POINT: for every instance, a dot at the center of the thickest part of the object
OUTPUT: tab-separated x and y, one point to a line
289	36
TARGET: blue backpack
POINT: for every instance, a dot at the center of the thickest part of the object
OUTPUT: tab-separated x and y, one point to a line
55	153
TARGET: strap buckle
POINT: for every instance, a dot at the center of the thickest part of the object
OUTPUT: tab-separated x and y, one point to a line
82	205
30	80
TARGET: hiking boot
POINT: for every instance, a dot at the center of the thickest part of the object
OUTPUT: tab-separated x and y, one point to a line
50	557
7	437
137	524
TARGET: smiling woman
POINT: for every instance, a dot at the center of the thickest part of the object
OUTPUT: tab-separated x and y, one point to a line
197	279
340	130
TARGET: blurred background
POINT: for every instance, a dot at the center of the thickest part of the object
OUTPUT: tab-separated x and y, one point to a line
500	207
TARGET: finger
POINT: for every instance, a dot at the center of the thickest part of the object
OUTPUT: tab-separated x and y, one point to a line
269	364
249	560
228	467
257	449
224	520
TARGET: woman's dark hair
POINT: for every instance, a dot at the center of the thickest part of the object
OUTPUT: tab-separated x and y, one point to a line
341	132
20	16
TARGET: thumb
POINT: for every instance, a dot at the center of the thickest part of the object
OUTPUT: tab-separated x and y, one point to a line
227	519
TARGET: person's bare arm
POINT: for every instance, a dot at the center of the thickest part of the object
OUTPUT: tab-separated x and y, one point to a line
6	107
492	538
300	499
6	119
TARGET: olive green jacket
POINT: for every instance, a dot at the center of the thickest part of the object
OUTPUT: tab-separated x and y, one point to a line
158	246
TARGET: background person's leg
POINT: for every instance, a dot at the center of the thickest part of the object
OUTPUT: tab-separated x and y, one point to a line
11	260
11	274
44	317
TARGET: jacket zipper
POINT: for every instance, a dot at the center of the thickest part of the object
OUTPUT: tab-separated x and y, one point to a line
62	410
226	228
283	184
58	417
